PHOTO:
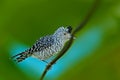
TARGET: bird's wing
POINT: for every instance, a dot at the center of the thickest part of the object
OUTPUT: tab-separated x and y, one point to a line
42	43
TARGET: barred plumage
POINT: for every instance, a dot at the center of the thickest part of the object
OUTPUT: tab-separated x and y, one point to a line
46	46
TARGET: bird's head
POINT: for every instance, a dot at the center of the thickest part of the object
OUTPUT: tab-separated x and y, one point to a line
63	33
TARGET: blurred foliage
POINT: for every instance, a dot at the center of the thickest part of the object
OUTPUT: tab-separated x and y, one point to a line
26	20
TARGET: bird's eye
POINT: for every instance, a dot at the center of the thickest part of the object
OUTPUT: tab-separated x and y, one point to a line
64	33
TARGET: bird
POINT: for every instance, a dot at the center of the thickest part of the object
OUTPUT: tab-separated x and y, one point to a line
46	46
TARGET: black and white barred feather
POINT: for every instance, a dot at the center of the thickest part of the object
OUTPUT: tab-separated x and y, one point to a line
46	46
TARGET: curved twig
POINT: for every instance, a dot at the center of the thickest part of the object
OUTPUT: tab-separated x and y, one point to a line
69	43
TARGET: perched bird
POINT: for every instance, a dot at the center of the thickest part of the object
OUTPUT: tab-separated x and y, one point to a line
46	46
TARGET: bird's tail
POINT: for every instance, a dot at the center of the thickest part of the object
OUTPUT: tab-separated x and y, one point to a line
21	56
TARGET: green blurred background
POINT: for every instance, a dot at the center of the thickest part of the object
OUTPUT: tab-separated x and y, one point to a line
94	55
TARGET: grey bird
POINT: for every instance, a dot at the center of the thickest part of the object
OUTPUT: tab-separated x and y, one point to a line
46	46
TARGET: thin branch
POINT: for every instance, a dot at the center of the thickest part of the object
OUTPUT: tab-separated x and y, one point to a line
69	43
87	17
